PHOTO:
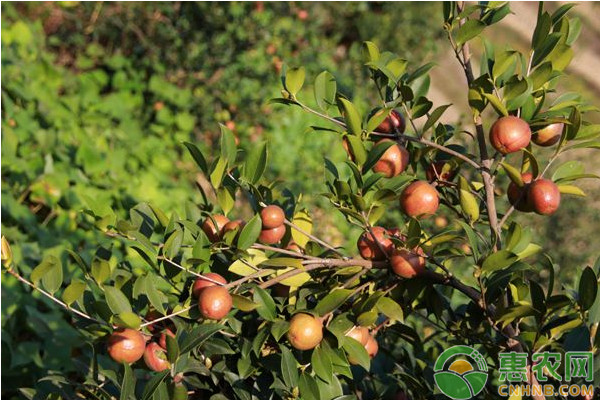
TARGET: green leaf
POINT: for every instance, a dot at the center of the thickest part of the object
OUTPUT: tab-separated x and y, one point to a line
266	304
325	90
332	301
546	47
47	264
588	289
496	103
294	79
197	156
289	367
357	352
434	116
570	189
216	176
173	244
228	147
308	387
469	205
358	149
243	303
568	169
127	384
152	385
198	336
303	221
256	163
100	270
541	31
498	260
128	319
513	174
116	300
468	31
376	153
351	116
73	292
172	349
250	233
370	52
321	362
155	297
390	309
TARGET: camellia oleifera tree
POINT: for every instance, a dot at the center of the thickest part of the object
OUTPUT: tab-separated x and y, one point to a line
209	305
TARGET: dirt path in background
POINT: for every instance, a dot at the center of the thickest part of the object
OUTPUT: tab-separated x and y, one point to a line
448	81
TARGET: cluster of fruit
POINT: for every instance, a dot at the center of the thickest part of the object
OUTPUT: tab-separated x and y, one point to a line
511	134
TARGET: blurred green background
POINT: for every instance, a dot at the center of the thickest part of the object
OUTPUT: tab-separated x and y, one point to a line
97	99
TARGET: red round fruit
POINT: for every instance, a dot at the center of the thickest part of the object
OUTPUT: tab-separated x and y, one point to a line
272	236
544	196
155	358
162	341
214	302
393	123
514	193
126	345
368	248
151	315
305	331
419	199
360	334
393	161
407	264
548	135
510	134
272	217
214	233
234	225
200	283
372	346
436	171
293	246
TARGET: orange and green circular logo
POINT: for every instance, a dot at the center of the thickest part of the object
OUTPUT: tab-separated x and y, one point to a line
460	372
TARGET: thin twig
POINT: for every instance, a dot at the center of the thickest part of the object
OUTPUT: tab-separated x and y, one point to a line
313	237
54	299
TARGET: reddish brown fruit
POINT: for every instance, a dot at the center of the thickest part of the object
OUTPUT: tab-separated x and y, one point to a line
393	162
214	302
272	236
272	216
360	334
162	341
305	332
544	196
510	134
293	246
151	315
393	123
201	284
231	226
155	358
401	396
514	194
214	233
419	199
346	146
368	248
372	346
126	345
407	264
436	171
548	135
